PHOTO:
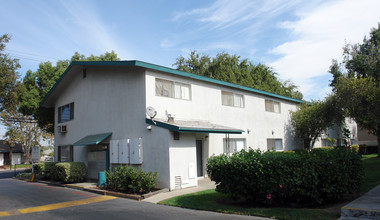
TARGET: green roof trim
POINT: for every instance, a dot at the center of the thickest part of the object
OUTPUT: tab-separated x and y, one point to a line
92	139
172	127
167	70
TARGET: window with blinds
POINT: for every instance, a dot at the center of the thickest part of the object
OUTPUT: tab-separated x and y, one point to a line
172	89
272	106
232	99
66	113
65	153
274	144
232	145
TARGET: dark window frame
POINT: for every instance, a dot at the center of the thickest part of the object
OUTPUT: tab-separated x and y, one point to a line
62	108
71	153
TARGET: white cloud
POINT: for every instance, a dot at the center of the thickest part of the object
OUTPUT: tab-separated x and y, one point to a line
224	46
231	22
89	29
320	36
225	13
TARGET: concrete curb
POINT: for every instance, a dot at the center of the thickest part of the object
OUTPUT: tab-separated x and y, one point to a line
101	191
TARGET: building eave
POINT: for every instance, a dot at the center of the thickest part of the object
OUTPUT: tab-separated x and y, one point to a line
155	67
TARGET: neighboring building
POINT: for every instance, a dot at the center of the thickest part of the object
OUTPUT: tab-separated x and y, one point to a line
336	132
365	138
101	120
17	154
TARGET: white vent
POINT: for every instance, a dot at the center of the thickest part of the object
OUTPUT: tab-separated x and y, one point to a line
62	129
177	183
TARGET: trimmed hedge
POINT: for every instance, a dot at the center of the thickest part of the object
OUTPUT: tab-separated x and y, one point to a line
46	169
71	172
315	178
355	148
131	180
364	149
67	172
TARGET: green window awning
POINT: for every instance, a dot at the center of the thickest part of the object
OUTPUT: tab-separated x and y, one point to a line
92	139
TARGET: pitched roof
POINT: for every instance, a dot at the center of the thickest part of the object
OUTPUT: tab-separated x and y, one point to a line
5	148
136	63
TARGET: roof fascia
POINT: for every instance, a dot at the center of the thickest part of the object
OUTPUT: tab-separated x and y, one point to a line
190	130
167	70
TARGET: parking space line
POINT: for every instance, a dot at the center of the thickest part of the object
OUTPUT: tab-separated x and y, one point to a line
37	184
44	208
82	194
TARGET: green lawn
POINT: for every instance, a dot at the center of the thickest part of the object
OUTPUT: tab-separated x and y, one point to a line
213	201
17	166
372	172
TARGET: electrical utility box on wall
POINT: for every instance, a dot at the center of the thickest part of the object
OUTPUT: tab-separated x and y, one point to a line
136	150
119	151
114	151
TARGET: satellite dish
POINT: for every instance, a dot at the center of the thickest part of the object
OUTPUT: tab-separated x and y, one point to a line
151	112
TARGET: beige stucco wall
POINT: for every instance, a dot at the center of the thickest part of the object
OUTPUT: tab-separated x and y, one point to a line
205	104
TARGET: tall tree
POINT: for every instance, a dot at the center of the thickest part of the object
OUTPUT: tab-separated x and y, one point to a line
23	130
313	118
9	87
357	83
231	68
8	77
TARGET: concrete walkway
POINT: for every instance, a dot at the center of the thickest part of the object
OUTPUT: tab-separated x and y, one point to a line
364	207
203	184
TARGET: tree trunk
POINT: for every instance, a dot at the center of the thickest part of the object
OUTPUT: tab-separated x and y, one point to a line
306	144
10	157
378	144
378	140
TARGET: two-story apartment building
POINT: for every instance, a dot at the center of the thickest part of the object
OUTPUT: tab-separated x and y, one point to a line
101	119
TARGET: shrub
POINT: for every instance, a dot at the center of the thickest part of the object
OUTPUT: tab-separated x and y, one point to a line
51	171
131	180
24	175
39	168
371	150
71	172
46	169
362	149
305	178
327	147
355	148
300	151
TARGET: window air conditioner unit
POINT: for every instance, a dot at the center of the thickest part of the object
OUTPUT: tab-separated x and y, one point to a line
62	129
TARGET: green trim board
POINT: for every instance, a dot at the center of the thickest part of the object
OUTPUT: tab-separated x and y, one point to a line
166	70
92	139
183	129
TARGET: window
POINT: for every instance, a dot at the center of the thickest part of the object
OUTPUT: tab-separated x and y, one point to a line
272	106
172	89
65	153
234	145
66	113
325	142
231	99
274	144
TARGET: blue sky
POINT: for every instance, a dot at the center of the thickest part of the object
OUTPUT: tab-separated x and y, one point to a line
297	38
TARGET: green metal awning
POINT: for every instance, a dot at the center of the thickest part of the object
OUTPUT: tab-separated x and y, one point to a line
193	127
92	139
